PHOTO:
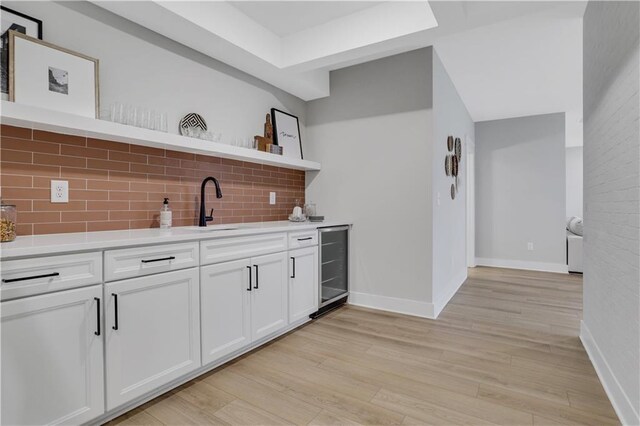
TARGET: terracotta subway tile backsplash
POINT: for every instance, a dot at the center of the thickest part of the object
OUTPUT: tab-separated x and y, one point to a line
120	186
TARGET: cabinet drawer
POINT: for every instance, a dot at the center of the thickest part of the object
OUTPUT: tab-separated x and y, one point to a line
27	277
140	261
225	249
303	239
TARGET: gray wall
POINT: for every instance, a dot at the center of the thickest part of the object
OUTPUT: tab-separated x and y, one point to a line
575	186
450	117
372	136
520	192
611	208
140	67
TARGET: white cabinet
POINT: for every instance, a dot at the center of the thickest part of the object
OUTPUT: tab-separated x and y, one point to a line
303	239
303	283
225	308
52	358
269	295
28	277
242	301
139	261
232	248
152	332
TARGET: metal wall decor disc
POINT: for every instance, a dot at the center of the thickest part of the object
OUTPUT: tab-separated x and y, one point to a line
454	165
458	149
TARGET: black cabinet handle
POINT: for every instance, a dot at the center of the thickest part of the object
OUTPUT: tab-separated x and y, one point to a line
256	286
115	310
33	277
158	260
293	275
249	288
305	239
97	332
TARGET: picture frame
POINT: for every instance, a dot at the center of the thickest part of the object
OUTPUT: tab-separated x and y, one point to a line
49	76
17	21
286	133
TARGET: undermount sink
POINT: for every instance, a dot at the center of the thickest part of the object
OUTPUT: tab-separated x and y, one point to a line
211	228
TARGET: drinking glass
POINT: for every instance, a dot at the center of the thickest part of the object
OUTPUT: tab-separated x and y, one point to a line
163	122
141	117
117	113
130	114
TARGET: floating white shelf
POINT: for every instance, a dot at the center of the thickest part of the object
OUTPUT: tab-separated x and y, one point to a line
53	121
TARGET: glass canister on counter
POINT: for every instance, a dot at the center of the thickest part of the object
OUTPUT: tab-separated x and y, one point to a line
310	209
8	221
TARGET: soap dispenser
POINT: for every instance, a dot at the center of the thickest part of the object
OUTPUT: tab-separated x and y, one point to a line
165	215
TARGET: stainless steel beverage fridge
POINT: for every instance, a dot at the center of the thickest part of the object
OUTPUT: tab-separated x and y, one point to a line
334	268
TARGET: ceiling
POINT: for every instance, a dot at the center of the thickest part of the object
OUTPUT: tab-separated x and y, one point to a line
284	18
523	66
297	59
506	58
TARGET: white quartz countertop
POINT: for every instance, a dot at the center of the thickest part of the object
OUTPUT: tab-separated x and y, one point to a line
51	244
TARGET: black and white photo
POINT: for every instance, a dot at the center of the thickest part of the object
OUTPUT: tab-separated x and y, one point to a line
13	20
58	81
286	133
40	74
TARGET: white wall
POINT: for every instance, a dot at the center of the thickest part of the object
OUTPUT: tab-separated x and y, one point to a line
520	192
450	117
611	328
574	181
140	67
373	138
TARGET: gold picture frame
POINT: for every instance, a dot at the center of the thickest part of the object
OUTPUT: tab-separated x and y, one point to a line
12	77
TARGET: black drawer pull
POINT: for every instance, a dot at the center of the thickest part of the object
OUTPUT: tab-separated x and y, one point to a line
97	333
158	260
34	277
305	239
293	275
115	309
256	286
249	288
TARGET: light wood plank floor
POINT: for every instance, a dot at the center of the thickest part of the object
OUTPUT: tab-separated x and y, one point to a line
504	351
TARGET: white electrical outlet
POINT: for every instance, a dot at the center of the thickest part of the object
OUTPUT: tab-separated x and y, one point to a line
59	191
272	198
530	246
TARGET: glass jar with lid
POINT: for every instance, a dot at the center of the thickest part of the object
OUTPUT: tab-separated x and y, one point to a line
8	221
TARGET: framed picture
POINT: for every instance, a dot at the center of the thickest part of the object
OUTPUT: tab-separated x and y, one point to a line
16	21
44	75
286	133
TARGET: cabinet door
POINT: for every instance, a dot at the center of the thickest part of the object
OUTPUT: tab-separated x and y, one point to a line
303	283
52	362
225	308
268	295
152	332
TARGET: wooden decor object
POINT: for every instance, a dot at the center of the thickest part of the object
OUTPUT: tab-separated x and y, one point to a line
262	142
267	139
268	128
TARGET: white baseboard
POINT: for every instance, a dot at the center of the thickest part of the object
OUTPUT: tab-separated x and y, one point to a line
392	304
619	399
523	264
451	290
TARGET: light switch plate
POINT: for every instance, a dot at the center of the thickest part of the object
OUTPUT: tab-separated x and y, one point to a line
272	198
59	191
